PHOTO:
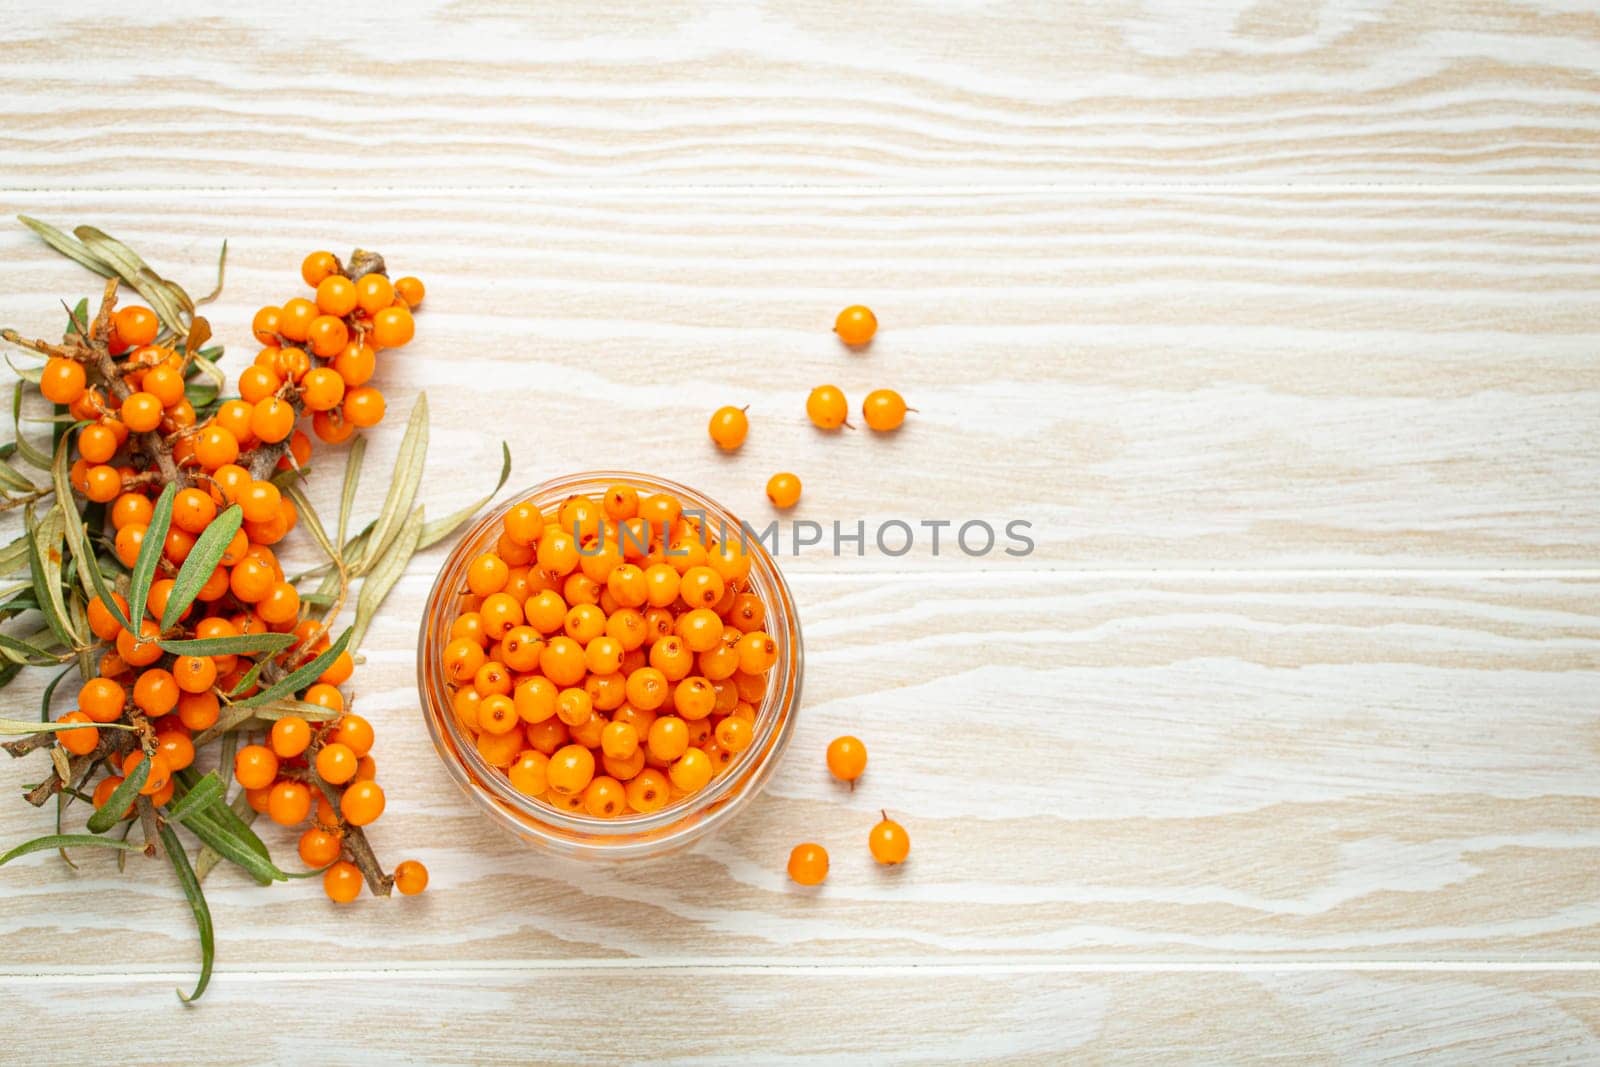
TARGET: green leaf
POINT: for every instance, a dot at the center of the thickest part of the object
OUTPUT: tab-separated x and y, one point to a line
352	478
25	448
144	568
283	707
49	841
237	645
15	556
197	902
68	246
137	273
25	652
232	847
439	529
310	521
202	560
205	366
20	727
206	792
250	677
48	534
17	483
111	812
49	693
408	464
298	679
77	541
375	587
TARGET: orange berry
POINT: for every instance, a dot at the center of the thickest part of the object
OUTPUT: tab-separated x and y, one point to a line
294	321
336	763
884	410
342	882
363	407
889	842
362	803
336	295
194	674
410	877
102	700
327	336
289	803
160	772
497	714
324	696
571	768
317	266
410	290
255	766
215	447
332	427
373	293
97	443
141	412
135	325
701	587
176	747
193	510
648	791
355	364
101	622
264	326
165	383
257	383
729	427
319	847
260	501
102	484
356	732
827	408
63	380
339	672
783	490
808	864
604	797
847	758
668	738
392	327
535	699
281	604
272	420
856	325
528	773
735	734
82	741
322	389
292	363
155	692
757	653
290	736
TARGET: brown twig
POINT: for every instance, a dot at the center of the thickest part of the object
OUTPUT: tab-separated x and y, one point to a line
112	742
356	843
152	828
26	498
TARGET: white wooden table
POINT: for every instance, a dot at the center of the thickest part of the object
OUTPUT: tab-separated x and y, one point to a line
1279	321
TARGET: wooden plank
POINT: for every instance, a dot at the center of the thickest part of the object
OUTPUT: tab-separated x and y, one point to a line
1265	380
881	1014
1196	767
483	94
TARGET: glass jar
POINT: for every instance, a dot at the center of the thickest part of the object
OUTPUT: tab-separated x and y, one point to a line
633	835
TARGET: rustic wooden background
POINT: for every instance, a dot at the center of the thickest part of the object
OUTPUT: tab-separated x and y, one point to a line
1278	320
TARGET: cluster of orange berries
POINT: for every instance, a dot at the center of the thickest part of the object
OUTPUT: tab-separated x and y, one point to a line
322	352
619	678
171	698
887	841
884	409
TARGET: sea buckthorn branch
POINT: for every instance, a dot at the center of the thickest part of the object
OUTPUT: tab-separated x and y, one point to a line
155	568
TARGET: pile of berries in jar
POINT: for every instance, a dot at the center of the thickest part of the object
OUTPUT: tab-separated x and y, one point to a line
609	656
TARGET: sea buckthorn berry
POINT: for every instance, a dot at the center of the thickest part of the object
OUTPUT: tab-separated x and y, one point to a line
102	484
256	383
783	490
156	692
626	584
336	763
339	671
693	698
355	364
317	266
327	336
102	623
143	650
660	510
671	658
562	661
847	758
131	509
324	696
299	453
701	629
294	321
535	699
374	292
662	582
528	775
730	561
701	587
604	797
97	443
393	327
808	864
178	545
720	663
497	714
729	427
193	510
264	326
255	767
362	803
462	658
336	295
626	768
735	734
342	882
410	290
194	674
570	770
884	410
603	655
855	325
520	648
164	383
141	412
260	501
332	427
319	847
63	380
410	877
668	737
103	791
281	604
82	741
647	688
322	389
272	420
176	747
289	803
465	704
356	732
584	623
757	653
363	407
574	707
135	325
102	699
524	523
290	736
648	792
627	626
487	574
251	581
546	611
215	447
620	502
500	612
619	740
691	771
889	842
160	773
827	408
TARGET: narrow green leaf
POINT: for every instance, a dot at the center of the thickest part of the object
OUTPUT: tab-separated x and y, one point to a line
283	707
144	568
111	812
202	560
352	478
25	652
408	464
15	556
67	245
310	521
298	679
250	677
206	792
49	841
375	587
205	366
136	272
21	727
49	694
233	848
197	902
439	529
25	448
17	483
48	535
229	719
77	541
237	645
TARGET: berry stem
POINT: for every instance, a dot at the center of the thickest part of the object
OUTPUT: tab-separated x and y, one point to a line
356	843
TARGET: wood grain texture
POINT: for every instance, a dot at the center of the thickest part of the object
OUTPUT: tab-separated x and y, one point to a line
862	1014
1175	767
489	93
1262	380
